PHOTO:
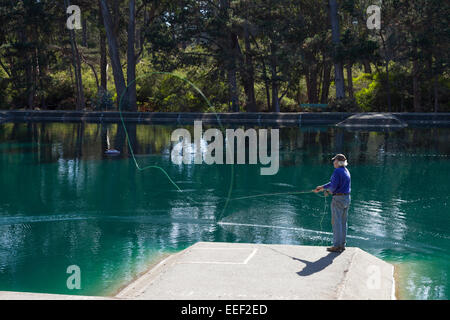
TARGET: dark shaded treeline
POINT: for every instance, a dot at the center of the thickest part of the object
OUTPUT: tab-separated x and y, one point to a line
263	55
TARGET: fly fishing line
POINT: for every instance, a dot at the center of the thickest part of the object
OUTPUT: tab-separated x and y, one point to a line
158	167
152	166
322	215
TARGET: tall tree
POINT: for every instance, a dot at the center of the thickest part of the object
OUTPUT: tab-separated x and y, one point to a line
76	65
102	45
114	53
338	69
131	58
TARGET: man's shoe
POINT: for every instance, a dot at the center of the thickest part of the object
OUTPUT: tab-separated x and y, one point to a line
334	249
341	249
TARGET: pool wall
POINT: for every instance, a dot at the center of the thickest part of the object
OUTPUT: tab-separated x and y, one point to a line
257	118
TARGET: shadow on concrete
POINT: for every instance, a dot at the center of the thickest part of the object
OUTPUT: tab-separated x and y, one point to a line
316	266
312	266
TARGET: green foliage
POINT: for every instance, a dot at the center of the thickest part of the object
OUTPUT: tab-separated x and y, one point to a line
166	93
240	50
367	96
104	100
343	105
60	93
5	98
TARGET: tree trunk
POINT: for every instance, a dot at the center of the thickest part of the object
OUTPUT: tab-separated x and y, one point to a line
367	67
388	82
338	70
232	85
115	17
435	77
77	66
35	72
30	87
350	81
326	82
249	73
232	79
388	87
319	83
273	65
138	37
275	101
311	83
119	80
436	93
416	87
103	63
94	72
103	58
230	47
78	77
84	34
41	74
131	58
266	85
30	90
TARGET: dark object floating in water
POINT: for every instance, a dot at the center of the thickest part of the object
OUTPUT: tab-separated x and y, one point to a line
112	152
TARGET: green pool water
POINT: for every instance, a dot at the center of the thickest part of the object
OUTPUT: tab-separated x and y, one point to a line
63	202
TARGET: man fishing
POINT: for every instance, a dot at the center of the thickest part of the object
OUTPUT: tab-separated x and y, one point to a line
340	187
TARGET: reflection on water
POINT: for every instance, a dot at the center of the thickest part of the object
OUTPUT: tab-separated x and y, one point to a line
64	202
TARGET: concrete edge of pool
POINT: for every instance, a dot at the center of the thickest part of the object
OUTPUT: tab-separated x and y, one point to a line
371	120
234	271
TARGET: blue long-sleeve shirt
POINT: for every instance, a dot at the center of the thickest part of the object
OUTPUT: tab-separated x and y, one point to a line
340	181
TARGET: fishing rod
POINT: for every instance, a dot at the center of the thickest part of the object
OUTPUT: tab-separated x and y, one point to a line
265	195
278	194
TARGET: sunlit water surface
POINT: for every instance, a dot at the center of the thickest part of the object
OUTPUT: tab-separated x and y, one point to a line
63	202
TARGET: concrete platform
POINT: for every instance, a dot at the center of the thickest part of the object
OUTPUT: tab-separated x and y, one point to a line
215	270
212	270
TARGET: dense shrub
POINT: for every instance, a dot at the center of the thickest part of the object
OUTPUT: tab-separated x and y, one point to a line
343	105
104	100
